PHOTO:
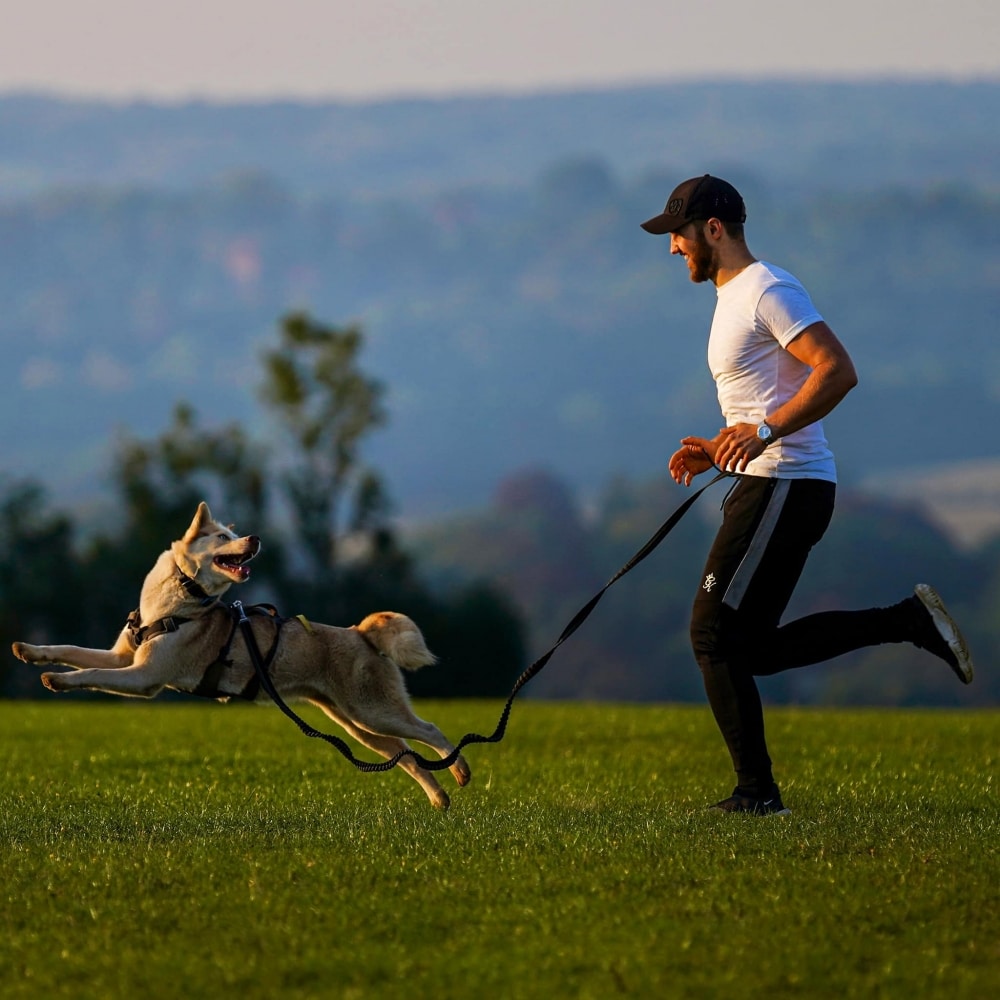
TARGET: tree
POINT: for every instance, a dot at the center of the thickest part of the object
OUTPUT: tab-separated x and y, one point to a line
326	405
162	481
37	569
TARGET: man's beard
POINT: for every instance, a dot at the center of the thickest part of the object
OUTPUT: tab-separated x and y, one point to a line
701	263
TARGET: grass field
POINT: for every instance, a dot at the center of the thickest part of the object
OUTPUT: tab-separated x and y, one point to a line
175	850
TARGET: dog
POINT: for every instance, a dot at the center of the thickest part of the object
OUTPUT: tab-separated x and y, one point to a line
183	637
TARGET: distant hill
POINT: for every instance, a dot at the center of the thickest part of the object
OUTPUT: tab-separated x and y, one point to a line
803	136
962	497
490	249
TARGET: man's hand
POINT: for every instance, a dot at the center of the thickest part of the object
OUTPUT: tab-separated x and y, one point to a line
691	459
737	447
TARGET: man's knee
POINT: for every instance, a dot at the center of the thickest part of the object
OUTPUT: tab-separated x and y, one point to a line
721	635
706	631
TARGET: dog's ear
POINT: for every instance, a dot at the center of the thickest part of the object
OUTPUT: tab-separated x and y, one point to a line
202	516
180	548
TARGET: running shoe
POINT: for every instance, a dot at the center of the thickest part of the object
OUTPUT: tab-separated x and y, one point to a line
938	633
768	805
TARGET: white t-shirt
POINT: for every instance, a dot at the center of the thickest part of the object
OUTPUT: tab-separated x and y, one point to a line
758	314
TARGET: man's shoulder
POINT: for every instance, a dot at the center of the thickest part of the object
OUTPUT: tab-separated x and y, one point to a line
758	279
767	274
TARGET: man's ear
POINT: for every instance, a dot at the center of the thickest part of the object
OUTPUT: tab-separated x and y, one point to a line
714	229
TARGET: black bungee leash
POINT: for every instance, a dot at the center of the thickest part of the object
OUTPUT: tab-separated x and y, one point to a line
497	735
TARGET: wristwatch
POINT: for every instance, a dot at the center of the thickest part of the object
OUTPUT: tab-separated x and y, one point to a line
764	433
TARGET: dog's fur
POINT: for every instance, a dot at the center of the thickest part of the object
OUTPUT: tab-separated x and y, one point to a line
352	674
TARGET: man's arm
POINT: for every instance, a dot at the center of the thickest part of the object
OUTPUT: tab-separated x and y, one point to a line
831	379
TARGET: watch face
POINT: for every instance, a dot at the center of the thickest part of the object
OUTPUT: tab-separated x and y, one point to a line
764	432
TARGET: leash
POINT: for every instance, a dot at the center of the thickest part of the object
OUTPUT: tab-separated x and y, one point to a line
497	735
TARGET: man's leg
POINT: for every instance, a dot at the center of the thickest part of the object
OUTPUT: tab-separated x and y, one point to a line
920	619
768	530
758	555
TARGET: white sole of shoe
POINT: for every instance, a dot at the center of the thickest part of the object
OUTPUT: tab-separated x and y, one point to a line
947	629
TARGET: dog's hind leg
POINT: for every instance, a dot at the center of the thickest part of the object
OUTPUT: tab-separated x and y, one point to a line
389	746
403	723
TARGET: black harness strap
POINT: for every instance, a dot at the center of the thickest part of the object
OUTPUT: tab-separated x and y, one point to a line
252	687
208	686
438	765
139	633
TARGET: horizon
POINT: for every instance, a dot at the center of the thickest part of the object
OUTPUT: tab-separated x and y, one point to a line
498	93
388	50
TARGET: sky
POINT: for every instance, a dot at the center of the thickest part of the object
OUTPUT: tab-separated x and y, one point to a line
231	50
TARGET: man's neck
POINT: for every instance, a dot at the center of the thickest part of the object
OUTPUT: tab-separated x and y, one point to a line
732	265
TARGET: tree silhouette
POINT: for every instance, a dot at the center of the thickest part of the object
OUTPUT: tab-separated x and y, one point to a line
326	405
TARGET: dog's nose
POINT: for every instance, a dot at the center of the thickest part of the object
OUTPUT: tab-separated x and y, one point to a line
255	542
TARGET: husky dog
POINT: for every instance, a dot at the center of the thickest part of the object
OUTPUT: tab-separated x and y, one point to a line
183	637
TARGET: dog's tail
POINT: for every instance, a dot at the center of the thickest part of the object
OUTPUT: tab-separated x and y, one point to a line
397	637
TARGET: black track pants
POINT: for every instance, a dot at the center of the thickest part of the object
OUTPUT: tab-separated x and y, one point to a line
768	528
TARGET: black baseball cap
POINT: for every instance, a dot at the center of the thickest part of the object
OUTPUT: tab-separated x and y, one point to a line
705	197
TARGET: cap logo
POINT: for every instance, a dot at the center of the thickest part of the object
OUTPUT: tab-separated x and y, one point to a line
674	206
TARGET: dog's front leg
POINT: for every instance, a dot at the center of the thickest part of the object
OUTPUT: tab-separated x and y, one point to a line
78	657
150	670
140	680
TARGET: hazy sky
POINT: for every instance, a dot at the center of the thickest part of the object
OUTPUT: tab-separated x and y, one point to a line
233	49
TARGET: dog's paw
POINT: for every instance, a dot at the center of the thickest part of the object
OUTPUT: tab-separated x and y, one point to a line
54	682
23	651
461	772
440	800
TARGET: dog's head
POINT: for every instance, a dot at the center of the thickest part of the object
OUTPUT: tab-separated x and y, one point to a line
213	554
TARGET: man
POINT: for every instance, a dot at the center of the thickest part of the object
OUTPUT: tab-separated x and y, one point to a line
779	369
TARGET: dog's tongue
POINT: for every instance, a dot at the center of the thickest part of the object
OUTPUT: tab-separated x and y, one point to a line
235	566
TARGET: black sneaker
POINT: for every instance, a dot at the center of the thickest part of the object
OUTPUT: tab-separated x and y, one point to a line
939	634
769	805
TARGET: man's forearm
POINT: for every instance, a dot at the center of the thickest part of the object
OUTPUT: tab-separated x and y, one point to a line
826	386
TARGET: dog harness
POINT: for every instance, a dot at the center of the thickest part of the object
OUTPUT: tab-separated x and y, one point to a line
208	686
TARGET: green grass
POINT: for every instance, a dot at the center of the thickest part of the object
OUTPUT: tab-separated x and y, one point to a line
169	850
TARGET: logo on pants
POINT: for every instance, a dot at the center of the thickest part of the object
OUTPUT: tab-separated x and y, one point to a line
709	583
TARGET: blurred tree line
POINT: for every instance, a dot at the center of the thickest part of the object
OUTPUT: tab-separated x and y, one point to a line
552	555
337	561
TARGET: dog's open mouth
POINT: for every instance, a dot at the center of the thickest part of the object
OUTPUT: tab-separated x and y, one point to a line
235	564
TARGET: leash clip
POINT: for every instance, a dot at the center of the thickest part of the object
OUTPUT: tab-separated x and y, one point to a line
238	605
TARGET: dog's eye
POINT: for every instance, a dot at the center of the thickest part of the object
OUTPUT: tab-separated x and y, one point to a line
223	536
